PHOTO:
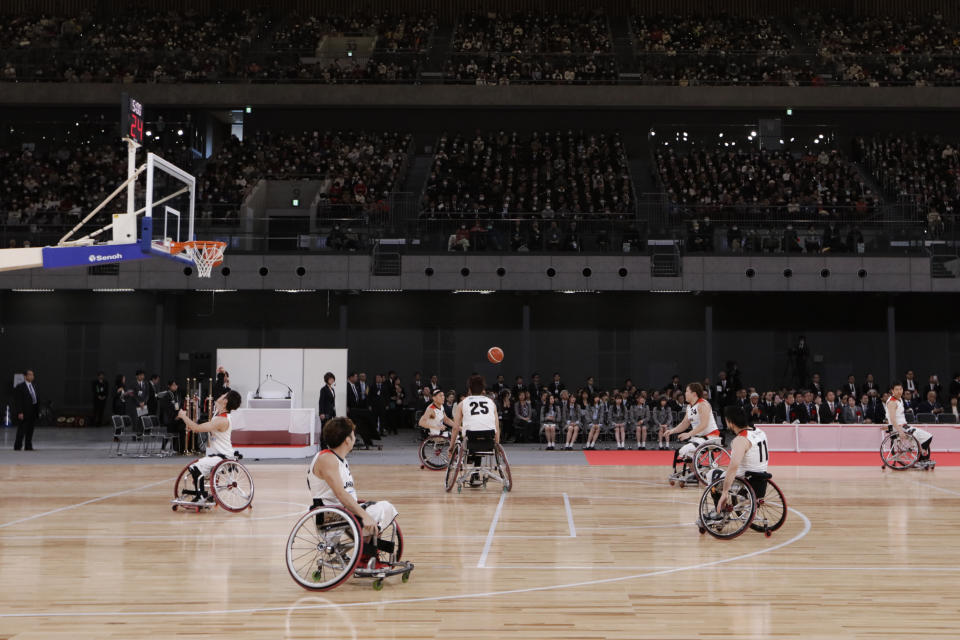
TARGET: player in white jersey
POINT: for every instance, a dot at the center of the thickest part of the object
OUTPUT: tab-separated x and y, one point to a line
434	418
478	417
700	420
219	446
331	483
896	418
748	454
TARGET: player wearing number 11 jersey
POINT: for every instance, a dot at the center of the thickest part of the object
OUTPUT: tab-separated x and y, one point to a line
748	451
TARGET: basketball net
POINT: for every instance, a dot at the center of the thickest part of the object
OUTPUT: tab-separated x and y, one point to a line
205	254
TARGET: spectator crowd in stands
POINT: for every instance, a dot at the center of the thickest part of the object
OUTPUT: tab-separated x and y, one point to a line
561	415
922	169
486	48
355	168
550	173
500	49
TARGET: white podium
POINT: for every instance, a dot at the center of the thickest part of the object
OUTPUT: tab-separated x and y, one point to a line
264	402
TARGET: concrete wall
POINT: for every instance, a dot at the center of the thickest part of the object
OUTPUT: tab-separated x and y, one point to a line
528	272
67	336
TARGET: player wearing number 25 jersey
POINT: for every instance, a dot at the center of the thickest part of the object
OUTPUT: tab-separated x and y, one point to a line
476	414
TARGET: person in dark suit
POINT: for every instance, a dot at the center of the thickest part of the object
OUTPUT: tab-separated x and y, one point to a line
851	387
153	388
328	396
168	405
955	386
790	411
674	385
931	404
722	391
139	396
830	409
910	383
358	412
851	413
380	394
499	386
755	410
120	395
416	387
100	394
933	385
869	385
557	385
816	386
26	406
519	387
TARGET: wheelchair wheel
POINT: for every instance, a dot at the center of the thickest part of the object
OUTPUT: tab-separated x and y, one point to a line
231	485
183	488
503	467
394	536
322	550
453	469
736	515
771	510
707	458
433	453
900	453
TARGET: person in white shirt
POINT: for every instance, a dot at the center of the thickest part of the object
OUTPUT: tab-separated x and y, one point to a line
331	483
896	417
434	418
699	419
219	446
477	416
748	454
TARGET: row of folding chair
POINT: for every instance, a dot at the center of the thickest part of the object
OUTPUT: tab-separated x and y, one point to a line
932	418
148	437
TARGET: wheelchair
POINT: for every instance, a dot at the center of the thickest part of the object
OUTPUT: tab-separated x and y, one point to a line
433	451
755	502
696	470
323	551
231	487
900	454
488	459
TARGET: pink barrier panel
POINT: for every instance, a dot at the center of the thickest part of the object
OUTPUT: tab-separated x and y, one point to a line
852	437
780	437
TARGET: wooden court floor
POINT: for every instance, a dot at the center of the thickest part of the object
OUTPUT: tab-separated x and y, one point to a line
573	552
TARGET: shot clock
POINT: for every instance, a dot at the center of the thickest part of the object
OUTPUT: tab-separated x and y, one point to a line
131	118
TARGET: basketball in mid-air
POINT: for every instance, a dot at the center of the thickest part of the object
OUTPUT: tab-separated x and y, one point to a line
495	355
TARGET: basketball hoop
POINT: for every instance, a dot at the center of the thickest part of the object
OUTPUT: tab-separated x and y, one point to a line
206	254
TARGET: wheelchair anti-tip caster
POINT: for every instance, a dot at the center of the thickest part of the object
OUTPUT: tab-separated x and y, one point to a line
405	577
378	584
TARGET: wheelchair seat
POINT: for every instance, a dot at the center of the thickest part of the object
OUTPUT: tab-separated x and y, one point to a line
758	481
480	442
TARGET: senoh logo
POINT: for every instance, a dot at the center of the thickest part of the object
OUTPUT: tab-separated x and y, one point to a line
104	258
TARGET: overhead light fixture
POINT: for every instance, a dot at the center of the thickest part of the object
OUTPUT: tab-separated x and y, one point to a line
579	291
482	292
215	290
669	290
33	290
295	290
382	290
116	290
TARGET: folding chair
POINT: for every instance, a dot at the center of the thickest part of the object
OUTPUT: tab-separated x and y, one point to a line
947	418
123	433
926	418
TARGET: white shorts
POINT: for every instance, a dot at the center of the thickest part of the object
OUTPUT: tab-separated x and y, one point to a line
439	432
383	512
921	435
686	451
207	463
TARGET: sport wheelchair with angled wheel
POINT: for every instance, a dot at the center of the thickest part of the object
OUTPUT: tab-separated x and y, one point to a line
901	453
697	469
477	458
755	501
326	548
231	486
434	451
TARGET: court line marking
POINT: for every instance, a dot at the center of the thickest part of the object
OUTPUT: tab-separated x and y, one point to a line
566	505
750	569
441	598
493	528
85	502
933	486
